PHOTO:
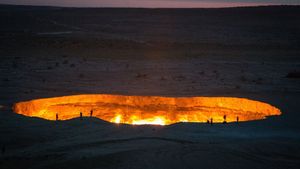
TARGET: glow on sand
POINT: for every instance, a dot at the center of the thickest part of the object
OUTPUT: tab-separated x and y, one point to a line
140	110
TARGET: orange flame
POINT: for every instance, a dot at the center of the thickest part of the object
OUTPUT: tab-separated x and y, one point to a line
152	110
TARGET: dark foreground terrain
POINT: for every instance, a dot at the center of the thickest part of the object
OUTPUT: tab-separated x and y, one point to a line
240	52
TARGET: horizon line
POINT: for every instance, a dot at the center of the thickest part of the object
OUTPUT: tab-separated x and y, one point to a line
128	7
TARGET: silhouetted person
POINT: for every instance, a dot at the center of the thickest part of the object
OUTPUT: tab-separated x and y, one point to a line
211	121
208	122
56	116
91	115
80	115
237	119
224	117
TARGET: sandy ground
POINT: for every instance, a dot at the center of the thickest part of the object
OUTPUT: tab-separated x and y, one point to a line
45	52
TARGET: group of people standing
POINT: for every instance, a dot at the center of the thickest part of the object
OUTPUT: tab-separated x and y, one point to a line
80	115
224	120
208	121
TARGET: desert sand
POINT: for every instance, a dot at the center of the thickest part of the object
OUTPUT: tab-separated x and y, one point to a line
235	52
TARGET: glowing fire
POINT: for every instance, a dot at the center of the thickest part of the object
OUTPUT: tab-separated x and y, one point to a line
153	121
152	110
117	119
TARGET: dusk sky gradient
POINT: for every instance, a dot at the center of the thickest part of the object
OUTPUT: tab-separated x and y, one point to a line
152	3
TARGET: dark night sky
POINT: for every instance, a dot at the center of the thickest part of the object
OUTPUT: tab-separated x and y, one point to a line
152	3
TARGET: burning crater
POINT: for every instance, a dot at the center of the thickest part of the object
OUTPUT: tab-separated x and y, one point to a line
147	109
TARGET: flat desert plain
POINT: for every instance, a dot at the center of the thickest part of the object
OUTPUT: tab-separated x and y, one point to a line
249	53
